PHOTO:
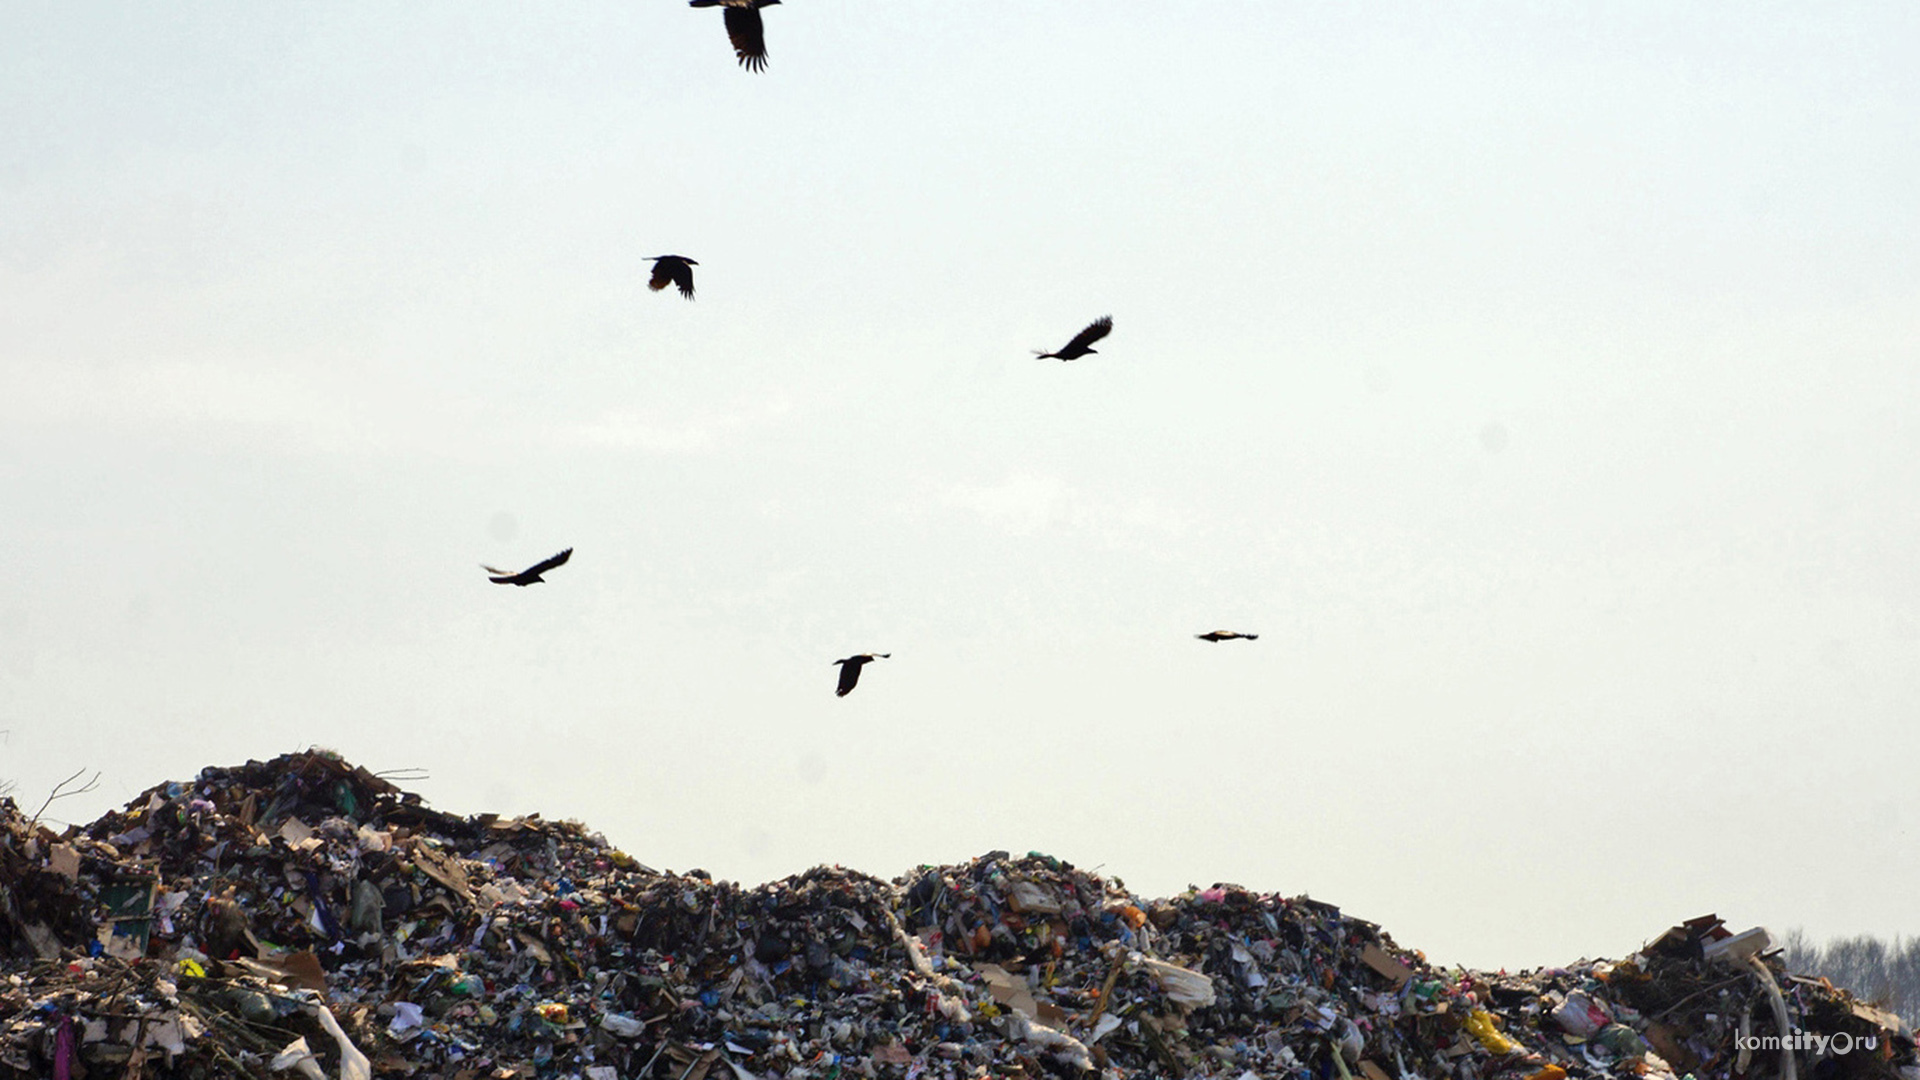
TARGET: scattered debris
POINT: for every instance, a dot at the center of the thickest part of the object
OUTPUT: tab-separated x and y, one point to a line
306	916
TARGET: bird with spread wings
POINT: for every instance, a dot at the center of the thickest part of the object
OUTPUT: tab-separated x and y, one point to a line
529	576
672	270
743	29
850	670
1083	341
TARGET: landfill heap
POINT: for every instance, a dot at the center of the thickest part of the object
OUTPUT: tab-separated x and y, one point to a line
304	916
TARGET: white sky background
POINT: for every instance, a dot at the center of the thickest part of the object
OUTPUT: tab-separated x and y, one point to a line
1540	385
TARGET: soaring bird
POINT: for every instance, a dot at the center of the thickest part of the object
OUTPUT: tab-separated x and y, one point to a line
672	270
1082	341
529	576
1225	635
743	28
850	670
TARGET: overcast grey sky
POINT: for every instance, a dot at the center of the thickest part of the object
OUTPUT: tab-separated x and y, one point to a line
1538	381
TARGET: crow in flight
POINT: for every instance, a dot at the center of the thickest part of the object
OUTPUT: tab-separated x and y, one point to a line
1082	341
850	670
743	27
1225	635
529	576
672	270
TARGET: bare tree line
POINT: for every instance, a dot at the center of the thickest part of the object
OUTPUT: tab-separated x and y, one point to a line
1886	974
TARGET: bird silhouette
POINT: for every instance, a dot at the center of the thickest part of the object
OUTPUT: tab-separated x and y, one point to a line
1082	341
1225	635
744	29
529	576
850	671
672	270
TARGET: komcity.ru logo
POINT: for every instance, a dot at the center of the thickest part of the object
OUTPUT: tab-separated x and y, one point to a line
1841	1043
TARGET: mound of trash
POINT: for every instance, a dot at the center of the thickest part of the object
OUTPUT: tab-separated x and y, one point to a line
305	916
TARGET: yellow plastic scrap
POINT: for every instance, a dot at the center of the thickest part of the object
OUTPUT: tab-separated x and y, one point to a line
1551	1072
1333	1051
191	969
1481	1025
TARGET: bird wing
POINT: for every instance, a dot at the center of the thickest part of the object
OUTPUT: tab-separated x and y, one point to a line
683	277
1095	330
662	275
849	675
542	567
748	36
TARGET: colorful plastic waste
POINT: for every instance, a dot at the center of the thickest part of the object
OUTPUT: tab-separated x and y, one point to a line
302	916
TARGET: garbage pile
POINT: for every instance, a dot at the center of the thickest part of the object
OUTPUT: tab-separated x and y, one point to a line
304	916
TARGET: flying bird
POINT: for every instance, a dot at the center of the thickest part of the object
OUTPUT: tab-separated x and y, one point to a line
743	28
850	670
1225	635
529	576
672	270
1082	342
